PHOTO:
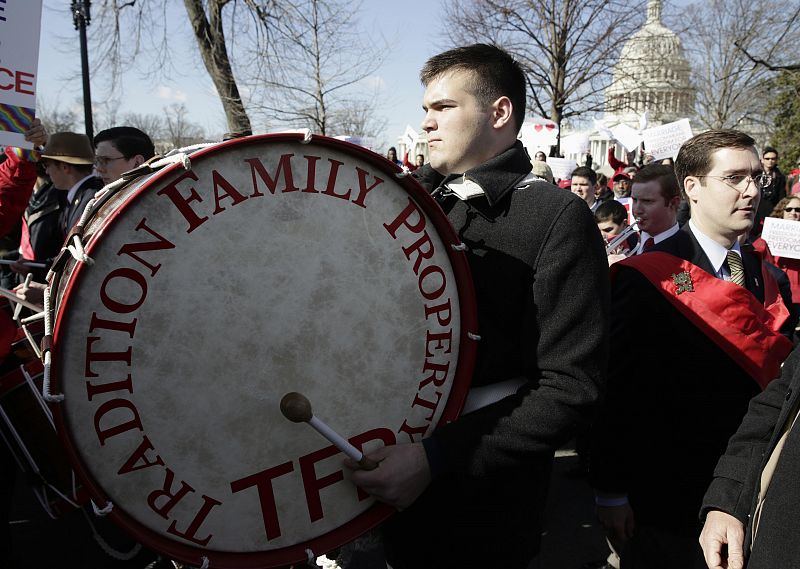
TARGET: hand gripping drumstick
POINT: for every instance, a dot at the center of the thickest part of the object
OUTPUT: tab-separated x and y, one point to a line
297	408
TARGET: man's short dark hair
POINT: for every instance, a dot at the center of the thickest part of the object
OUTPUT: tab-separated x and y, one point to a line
768	149
694	157
585	172
494	74
128	140
664	175
612	210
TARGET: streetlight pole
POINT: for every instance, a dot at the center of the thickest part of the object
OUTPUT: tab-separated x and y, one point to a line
81	17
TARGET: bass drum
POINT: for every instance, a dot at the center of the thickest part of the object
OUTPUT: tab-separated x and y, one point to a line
270	264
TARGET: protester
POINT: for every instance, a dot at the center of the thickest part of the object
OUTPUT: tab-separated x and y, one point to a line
391	156
583	183
752	506
612	219
622	185
542	170
655	196
68	159
771	193
120	149
789	208
686	358
472	494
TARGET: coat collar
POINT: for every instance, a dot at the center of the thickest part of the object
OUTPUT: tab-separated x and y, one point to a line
496	176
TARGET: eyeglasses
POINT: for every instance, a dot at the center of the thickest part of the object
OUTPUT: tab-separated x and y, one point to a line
791	209
740	182
103	161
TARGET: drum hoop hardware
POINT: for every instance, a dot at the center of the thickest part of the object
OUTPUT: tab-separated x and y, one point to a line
459	247
307	136
472	336
104	511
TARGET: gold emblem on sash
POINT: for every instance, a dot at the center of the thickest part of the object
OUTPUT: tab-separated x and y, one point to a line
683	282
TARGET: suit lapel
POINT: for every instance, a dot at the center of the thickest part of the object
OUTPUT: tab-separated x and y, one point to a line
693	252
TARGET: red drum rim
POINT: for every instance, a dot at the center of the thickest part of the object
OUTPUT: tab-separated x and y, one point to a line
377	513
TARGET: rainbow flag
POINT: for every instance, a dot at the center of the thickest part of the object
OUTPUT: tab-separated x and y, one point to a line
15	119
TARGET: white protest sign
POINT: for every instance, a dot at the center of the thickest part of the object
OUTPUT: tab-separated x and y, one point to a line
782	236
538	132
664	141
628	203
20	23
562	167
575	143
410	138
628	137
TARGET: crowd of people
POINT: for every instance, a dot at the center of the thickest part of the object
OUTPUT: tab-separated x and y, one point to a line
664	351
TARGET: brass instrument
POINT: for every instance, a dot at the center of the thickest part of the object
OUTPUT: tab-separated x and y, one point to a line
622	237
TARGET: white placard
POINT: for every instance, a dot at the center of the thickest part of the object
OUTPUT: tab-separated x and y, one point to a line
562	167
664	141
782	236
20	23
628	203
410	137
575	143
538	132
628	137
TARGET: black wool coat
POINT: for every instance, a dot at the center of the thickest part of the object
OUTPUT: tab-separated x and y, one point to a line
540	276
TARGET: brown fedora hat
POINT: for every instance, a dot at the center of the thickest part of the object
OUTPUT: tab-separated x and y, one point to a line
69	147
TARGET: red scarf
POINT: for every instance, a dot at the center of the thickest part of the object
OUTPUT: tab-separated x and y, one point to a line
726	313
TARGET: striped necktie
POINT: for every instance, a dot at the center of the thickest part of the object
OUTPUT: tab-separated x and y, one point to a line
736	267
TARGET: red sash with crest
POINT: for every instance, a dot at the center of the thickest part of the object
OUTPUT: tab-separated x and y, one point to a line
727	314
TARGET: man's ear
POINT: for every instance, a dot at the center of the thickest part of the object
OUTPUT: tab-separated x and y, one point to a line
138	160
691	185
502	112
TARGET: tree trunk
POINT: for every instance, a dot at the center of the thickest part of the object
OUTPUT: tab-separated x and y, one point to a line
211	41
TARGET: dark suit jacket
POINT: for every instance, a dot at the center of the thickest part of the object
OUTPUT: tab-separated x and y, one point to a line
674	398
539	271
75	208
737	475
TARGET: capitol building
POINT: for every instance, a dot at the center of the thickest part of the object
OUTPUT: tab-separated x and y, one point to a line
651	76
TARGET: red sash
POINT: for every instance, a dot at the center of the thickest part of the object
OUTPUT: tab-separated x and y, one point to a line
729	315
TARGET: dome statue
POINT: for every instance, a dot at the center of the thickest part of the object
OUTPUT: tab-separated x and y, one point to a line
652	75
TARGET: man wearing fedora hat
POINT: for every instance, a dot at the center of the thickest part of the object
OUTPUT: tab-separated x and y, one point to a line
69	161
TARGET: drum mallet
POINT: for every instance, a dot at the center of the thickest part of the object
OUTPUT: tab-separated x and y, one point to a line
297	408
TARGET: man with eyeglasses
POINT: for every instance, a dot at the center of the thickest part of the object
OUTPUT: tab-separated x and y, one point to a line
120	149
697	333
772	192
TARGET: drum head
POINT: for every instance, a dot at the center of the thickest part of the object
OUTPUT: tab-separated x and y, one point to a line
271	266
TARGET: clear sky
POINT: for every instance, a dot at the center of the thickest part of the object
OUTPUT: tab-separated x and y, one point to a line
410	31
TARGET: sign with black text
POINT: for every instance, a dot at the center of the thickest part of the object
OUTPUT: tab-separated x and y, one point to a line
782	236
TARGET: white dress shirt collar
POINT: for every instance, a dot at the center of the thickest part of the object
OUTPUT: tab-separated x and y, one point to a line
715	252
74	189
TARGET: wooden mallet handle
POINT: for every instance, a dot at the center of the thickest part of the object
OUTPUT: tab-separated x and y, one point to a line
297	408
